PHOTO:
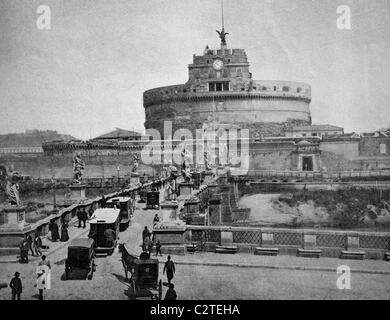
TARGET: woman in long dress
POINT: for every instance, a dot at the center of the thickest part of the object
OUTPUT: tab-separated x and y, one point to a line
54	232
64	232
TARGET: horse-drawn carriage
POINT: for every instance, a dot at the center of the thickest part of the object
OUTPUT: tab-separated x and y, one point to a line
142	195
81	258
126	206
105	229
153	200
144	280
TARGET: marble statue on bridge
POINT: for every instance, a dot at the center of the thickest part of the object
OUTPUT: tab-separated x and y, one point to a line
135	163
12	179
78	168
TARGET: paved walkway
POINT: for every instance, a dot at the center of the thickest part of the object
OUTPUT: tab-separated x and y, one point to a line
73	231
282	262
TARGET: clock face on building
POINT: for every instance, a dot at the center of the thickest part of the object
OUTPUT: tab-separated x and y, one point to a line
218	64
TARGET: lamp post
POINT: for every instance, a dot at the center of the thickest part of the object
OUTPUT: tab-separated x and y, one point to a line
53	181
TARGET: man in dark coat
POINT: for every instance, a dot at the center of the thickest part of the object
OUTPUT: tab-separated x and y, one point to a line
103	202
84	217
30	243
24	247
64	232
79	217
38	245
170	268
145	233
16	286
171	293
158	248
54	231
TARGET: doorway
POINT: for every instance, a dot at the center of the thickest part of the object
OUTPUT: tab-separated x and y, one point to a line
307	163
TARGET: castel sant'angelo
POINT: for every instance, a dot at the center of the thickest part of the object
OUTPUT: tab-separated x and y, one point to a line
221	94
220	88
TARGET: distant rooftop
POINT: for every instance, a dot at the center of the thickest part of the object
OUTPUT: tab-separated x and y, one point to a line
120	134
318	127
31	138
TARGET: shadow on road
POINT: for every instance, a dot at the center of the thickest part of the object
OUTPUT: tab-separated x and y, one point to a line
121	278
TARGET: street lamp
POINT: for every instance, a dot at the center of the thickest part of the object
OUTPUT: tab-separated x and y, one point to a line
53	181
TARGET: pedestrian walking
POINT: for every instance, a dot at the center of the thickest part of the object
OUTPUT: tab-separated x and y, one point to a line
79	218
24	247
90	213
64	232
41	284
30	243
158	248
103	202
38	245
54	231
150	247
171	293
145	233
84	217
169	267
146	244
46	266
16	286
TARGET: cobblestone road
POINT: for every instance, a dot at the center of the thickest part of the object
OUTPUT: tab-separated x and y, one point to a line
207	282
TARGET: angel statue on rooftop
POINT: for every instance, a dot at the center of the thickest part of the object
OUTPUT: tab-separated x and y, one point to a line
78	168
222	35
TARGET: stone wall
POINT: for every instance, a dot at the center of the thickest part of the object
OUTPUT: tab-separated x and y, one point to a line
370	147
373	244
270	115
61	166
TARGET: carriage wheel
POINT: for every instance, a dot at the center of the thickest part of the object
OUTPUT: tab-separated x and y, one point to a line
160	290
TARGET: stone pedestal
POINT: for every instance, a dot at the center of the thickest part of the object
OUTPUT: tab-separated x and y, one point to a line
192	206
169	210
13	218
212	189
77	193
171	230
309	241
215	211
192	212
352	243
172	239
267	239
186	188
13	227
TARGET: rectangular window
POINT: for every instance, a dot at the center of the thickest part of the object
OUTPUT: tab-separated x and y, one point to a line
382	148
218	86
286	89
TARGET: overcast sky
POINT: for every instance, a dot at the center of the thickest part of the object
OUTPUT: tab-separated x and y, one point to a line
86	75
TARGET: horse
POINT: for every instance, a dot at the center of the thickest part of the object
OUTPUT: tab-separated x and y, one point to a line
127	260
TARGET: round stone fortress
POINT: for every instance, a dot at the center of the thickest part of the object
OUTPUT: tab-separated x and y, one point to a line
220	89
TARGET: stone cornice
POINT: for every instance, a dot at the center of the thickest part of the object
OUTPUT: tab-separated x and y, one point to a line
211	96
